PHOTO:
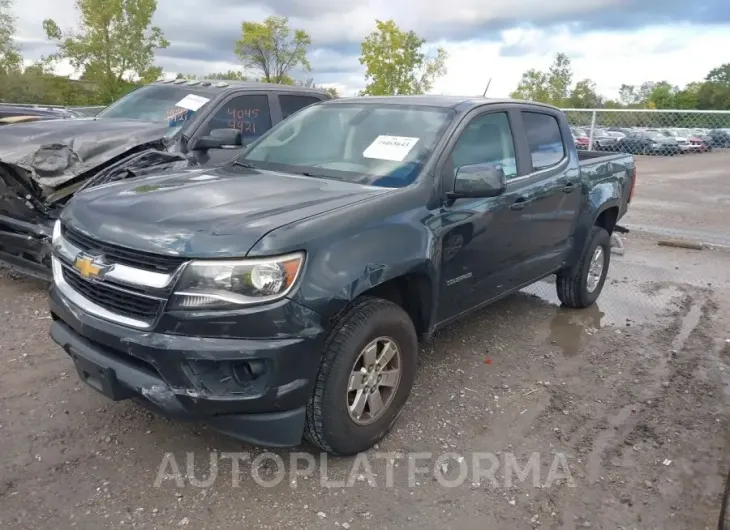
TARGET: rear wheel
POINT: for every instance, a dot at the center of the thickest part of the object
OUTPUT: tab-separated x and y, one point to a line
367	371
581	285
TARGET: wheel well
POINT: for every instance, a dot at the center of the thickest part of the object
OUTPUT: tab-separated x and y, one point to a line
607	219
412	292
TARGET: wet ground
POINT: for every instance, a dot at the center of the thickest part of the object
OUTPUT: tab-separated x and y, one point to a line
622	409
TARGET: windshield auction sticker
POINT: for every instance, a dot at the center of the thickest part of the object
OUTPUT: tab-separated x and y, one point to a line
393	148
192	102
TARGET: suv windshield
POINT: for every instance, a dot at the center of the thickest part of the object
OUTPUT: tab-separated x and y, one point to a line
382	145
171	103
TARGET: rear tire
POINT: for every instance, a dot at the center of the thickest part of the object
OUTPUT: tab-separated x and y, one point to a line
580	286
331	425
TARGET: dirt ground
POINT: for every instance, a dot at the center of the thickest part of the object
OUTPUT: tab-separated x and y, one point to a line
628	398
619	390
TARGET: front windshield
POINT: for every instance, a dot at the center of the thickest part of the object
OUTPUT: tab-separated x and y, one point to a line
174	104
369	143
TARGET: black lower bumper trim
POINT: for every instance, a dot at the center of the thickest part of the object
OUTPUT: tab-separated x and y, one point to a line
120	379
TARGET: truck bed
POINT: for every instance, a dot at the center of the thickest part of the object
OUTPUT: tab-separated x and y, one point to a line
589	158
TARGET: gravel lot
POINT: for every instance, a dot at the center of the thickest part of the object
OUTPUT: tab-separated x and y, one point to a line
687	196
630	395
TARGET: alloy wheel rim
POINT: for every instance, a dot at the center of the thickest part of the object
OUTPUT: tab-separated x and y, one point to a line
595	269
373	381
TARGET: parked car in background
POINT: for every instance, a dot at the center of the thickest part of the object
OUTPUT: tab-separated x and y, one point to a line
701	143
719	137
11	110
603	140
9	120
648	143
682	140
163	125
283	295
582	140
85	112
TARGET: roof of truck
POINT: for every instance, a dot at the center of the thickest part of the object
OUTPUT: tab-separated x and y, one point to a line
464	102
212	84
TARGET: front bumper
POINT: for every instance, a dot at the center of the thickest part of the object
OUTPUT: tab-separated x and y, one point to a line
26	247
252	389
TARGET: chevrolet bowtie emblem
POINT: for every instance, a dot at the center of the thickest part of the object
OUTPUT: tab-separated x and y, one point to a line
86	266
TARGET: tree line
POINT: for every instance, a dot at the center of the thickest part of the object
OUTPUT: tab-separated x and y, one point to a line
555	86
114	44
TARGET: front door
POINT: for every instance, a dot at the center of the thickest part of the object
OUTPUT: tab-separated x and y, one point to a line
477	236
249	112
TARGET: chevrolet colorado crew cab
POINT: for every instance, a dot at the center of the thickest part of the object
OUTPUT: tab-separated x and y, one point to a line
166	125
283	295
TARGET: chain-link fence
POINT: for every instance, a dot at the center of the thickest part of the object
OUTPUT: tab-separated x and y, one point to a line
650	132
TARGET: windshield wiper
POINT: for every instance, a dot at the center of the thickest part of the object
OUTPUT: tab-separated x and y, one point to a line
242	164
308	174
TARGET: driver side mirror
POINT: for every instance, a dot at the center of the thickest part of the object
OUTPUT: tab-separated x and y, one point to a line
478	180
220	139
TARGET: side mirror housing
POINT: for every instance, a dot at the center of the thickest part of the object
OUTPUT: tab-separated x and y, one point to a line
220	139
478	180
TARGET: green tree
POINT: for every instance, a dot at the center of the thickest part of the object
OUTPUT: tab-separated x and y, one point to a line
396	65
230	75
713	96
551	87
687	97
585	96
720	75
628	95
662	95
10	59
114	44
532	87
272	49
333	91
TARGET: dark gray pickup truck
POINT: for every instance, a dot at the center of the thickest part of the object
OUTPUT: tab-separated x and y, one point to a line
283	295
161	126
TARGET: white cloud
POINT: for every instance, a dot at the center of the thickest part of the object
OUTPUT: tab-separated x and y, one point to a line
679	54
481	37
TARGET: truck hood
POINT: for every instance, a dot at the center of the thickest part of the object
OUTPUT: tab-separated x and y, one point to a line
54	152
205	214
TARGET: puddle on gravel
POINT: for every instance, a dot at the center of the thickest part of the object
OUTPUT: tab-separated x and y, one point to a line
622	305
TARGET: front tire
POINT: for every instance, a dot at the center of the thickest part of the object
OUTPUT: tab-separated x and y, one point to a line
581	285
365	377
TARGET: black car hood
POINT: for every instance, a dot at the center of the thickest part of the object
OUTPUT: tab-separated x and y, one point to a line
54	152
205	214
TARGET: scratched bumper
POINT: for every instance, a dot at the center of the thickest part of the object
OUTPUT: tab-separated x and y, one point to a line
252	389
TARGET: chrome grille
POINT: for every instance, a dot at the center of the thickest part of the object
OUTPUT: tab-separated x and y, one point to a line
121	255
113	298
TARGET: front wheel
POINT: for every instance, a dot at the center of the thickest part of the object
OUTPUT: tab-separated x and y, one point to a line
579	286
365	377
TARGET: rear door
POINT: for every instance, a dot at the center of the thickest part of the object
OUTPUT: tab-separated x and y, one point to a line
548	198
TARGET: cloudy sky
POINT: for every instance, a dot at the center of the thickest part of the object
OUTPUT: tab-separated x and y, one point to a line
609	41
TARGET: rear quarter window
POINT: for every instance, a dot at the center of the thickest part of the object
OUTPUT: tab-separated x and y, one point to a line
544	139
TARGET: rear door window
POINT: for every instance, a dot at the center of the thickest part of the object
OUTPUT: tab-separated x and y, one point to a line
544	139
291	104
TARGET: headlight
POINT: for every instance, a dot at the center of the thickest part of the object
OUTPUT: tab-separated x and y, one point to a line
56	232
231	284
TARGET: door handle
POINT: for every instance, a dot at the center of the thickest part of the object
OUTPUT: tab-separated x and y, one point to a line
519	204
569	187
